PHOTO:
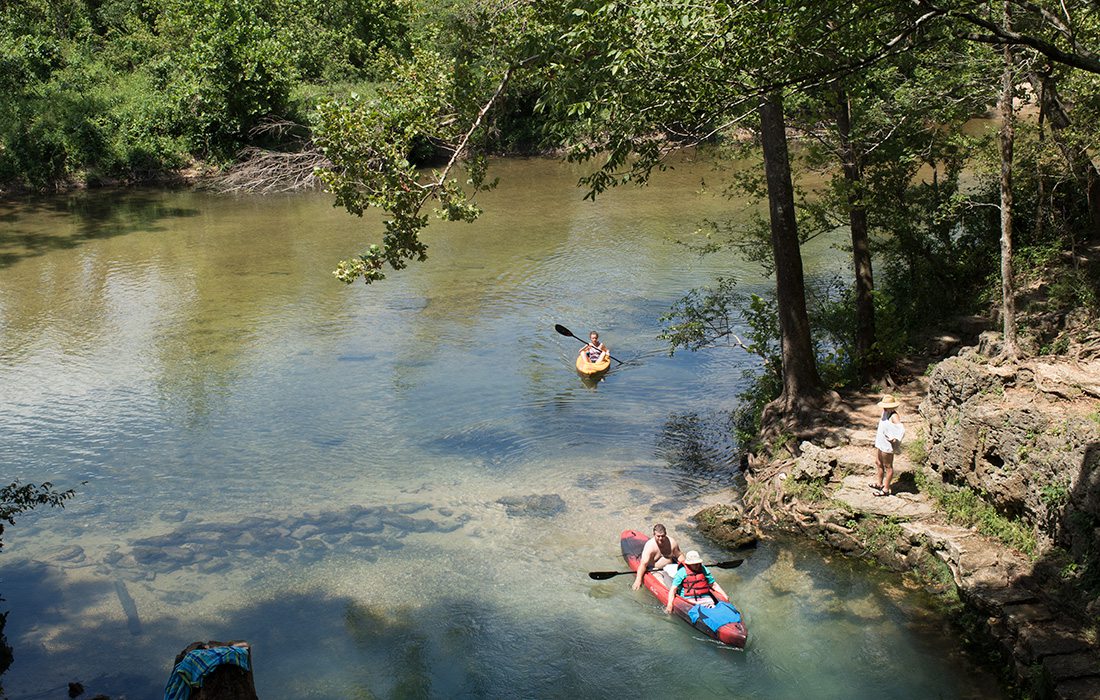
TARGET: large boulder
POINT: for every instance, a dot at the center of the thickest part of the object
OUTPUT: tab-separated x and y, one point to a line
814	463
725	525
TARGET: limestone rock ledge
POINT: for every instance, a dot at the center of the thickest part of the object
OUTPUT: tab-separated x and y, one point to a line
1032	454
1011	434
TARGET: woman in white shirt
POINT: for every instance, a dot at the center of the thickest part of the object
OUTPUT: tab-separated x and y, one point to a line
887	441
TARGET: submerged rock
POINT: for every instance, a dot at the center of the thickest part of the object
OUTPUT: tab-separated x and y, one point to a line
72	553
533	506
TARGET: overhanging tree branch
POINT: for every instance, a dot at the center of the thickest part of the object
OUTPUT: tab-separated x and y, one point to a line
998	35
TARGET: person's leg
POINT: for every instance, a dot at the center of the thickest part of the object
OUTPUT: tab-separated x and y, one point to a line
888	464
707	601
878	470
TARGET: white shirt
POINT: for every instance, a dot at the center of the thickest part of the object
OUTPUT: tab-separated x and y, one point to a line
888	433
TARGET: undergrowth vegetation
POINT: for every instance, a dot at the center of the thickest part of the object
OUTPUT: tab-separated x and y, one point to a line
966	507
128	89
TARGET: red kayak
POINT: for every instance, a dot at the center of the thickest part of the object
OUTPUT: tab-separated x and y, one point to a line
722	622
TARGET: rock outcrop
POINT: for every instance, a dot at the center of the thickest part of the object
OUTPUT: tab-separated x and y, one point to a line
1023	437
1011	433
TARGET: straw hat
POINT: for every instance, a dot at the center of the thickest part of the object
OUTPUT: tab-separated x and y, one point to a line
888	401
693	557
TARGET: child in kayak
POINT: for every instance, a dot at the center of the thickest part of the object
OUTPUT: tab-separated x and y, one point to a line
595	351
697	583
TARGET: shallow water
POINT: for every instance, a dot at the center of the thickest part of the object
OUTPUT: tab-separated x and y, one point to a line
397	490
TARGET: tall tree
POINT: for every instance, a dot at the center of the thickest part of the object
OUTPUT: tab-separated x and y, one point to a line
800	377
616	84
1007	139
1061	31
851	166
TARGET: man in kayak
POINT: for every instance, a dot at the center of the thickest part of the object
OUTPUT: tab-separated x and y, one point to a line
659	552
595	351
697	583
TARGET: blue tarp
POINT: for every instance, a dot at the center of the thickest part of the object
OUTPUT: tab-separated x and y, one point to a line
192	669
721	614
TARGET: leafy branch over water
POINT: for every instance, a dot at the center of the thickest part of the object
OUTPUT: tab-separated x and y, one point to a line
16	499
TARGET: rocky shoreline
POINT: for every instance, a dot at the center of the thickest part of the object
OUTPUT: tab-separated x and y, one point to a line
1019	444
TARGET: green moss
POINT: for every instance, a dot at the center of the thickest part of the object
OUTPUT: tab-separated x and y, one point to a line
966	507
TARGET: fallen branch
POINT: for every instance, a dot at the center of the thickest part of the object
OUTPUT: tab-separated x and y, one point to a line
271	172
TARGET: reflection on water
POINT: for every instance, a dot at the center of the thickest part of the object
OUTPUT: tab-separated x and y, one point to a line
395	490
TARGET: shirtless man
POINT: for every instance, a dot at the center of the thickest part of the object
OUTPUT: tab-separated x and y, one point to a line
658	552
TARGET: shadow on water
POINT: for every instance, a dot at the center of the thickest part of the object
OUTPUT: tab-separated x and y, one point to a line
87	217
454	647
603	644
699	444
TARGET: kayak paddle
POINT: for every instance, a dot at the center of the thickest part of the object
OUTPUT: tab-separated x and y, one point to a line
602	575
565	331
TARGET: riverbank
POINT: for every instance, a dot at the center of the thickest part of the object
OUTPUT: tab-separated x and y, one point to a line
995	498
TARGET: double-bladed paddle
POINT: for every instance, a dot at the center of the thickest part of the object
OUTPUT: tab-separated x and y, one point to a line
601	575
565	331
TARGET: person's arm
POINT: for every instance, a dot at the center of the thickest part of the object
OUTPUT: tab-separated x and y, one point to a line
718	589
714	584
677	581
643	564
897	430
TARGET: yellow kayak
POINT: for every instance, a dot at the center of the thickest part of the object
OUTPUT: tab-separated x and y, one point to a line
589	369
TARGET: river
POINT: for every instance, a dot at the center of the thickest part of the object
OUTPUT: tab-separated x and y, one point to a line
397	491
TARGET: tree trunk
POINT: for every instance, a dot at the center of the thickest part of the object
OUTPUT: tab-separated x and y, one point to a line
800	378
1094	200
861	248
1008	294
1079	162
1040	178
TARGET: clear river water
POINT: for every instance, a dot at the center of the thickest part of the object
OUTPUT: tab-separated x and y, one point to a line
397	491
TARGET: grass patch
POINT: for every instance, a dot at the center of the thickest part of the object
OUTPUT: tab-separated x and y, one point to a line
935	576
1055	494
966	507
880	533
813	490
917	451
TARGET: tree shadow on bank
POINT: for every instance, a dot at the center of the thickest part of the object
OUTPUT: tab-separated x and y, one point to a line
1070	572
1053	612
87	216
